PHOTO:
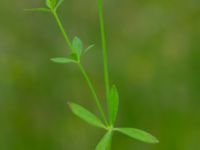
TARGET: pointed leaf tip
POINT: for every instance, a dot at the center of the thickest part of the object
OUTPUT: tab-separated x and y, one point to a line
88	48
139	135
86	115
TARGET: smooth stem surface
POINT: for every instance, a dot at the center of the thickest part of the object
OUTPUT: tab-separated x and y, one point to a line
105	56
62	29
81	67
103	40
93	92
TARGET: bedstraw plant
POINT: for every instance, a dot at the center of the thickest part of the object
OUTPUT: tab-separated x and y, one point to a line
105	121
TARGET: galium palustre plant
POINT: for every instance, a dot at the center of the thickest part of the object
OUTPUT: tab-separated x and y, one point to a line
104	121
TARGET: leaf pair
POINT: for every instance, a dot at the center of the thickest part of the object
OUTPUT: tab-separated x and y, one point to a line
88	116
51	5
77	48
131	132
76	52
92	119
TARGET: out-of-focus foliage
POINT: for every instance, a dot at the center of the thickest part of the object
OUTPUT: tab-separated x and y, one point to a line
154	61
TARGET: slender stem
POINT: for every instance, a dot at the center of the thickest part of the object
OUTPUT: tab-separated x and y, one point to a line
103	40
105	57
67	39
93	92
81	67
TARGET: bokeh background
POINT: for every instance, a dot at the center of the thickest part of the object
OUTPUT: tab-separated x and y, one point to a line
154	56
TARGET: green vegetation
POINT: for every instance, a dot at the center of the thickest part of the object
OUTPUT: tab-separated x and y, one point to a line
106	122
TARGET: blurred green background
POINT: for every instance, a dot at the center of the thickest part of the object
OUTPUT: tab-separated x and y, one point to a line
154	55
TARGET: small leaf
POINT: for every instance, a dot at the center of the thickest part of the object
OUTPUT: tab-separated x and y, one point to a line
88	48
138	134
58	4
103	144
77	46
113	104
86	115
63	60
38	9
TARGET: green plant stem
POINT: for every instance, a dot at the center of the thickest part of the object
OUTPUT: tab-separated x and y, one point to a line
103	40
93	92
80	66
67	39
105	57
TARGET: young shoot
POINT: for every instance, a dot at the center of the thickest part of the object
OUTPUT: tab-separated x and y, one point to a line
77	50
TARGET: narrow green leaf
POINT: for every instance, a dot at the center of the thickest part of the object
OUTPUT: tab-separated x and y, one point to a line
113	104
138	134
77	46
105	141
58	4
63	60
38	9
88	48
86	115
